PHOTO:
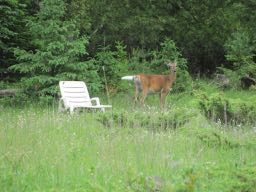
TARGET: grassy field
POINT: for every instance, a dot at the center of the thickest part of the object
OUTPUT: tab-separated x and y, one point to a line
43	150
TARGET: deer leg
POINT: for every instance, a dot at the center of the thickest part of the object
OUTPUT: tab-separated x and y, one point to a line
163	97
143	97
160	98
136	95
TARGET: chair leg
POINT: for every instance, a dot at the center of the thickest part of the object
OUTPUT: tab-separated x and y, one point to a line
71	110
102	109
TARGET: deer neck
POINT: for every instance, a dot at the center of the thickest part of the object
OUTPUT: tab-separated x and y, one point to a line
172	75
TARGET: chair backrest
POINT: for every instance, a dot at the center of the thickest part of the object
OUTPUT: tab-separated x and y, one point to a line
75	94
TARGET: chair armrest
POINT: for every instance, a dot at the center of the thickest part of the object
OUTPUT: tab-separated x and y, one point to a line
97	100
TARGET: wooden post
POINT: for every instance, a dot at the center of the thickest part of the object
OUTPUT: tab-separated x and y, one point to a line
225	113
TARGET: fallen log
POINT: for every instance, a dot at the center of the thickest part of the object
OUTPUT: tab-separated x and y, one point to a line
9	92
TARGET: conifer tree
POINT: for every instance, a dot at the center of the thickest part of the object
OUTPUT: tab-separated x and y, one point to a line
12	34
59	48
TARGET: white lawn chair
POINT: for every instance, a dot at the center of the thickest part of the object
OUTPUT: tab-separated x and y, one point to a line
74	94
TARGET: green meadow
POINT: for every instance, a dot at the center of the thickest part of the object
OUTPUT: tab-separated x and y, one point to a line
203	52
44	150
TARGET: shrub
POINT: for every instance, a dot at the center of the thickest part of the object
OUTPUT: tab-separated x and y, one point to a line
112	65
57	53
213	105
215	138
218	107
234	81
240	51
155	119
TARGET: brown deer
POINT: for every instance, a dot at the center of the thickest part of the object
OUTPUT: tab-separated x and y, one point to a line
146	83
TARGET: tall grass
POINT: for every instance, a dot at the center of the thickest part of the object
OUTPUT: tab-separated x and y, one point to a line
43	150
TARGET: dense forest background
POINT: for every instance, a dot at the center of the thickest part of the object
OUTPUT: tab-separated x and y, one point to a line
42	42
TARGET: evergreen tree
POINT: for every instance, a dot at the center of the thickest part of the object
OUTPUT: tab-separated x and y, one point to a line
12	34
57	54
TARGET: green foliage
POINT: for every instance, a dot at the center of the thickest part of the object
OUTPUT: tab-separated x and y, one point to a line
213	105
112	65
78	10
200	29
12	34
241	178
233	76
243	111
20	99
214	138
52	41
216	106
205	33
132	22
240	51
57	54
139	61
245	179
190	178
157	120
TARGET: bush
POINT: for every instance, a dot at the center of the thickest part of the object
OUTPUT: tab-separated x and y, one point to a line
112	65
58	48
243	111
240	51
217	107
155	120
213	106
238	179
234	80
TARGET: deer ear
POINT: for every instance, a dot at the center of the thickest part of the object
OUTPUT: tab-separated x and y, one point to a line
167	62
172	63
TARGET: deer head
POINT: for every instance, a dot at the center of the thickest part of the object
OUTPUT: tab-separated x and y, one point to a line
172	66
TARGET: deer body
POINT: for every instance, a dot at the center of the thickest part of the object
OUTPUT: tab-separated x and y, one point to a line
149	83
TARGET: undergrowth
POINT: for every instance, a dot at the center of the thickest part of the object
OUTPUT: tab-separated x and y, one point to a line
132	148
